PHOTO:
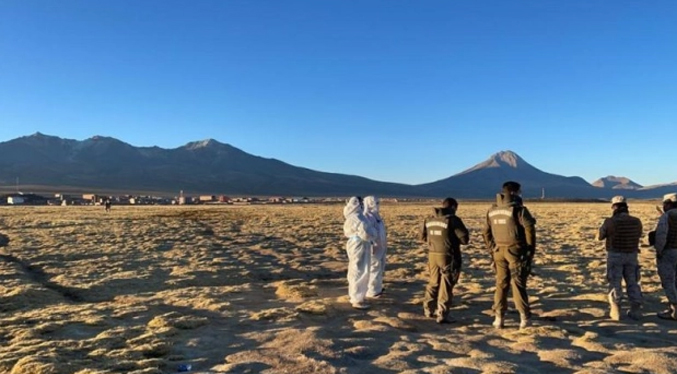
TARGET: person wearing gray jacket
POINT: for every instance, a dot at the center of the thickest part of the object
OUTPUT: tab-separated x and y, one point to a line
622	232
666	253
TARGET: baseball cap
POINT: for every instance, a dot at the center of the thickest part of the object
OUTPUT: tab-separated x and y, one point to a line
617	200
671	197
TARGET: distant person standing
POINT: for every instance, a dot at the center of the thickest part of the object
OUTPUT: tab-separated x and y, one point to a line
622	233
444	233
107	205
510	234
379	247
666	253
360	235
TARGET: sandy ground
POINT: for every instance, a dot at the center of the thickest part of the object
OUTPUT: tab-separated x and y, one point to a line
262	289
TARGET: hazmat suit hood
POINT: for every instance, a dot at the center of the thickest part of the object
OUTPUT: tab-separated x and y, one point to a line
371	205
353	206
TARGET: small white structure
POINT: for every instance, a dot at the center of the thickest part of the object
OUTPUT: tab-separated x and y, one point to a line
90	196
15	200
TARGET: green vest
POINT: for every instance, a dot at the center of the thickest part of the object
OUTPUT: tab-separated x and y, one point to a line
504	226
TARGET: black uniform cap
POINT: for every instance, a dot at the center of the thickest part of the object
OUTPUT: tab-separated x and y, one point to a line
511	187
449	202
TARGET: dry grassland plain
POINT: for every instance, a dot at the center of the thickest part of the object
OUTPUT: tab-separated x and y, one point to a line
262	289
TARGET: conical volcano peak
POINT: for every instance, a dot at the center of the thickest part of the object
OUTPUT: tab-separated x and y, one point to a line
507	158
501	160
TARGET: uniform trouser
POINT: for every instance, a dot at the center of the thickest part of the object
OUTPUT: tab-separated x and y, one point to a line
667	268
377	269
511	270
444	273
359	258
619	267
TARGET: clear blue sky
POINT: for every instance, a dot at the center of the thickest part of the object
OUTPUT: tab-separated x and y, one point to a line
403	91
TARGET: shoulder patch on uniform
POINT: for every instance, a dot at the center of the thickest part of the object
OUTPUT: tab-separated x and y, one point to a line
436	224
503	212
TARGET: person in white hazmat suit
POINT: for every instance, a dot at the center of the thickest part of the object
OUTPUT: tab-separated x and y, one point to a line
360	234
378	249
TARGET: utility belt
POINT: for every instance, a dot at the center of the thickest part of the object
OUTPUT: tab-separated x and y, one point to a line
449	253
514	247
665	250
511	245
613	250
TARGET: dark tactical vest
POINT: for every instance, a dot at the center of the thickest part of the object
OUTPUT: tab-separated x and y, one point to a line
624	233
438	230
672	229
505	228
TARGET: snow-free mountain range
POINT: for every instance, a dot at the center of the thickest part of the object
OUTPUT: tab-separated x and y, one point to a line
211	167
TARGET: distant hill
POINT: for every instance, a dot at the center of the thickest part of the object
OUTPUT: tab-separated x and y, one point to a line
209	167
625	186
655	191
199	167
484	180
616	183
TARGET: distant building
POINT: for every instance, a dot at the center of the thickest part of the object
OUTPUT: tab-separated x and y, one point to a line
15	200
300	200
90	196
207	198
224	199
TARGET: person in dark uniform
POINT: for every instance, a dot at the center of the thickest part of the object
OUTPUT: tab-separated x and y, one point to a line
665	243
444	233
510	234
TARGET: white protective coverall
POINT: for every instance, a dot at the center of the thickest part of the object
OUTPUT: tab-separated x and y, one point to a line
360	235
379	246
